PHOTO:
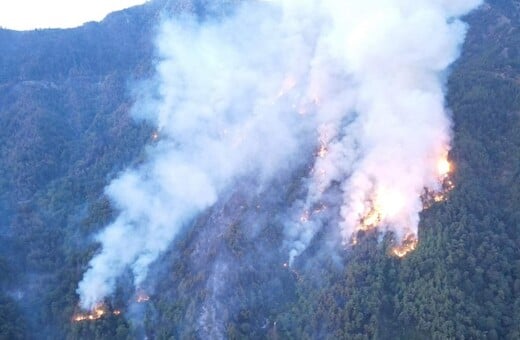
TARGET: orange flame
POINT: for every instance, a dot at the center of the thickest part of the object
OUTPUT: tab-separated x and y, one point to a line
408	245
370	220
99	311
443	167
385	203
95	314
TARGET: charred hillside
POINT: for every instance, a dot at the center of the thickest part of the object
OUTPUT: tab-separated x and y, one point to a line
66	101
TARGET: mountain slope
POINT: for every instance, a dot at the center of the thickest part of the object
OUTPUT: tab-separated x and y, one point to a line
65	111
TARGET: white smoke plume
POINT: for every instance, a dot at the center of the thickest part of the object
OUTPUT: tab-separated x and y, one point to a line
360	82
395	54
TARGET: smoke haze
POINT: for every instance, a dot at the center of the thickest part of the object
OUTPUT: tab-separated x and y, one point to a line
353	88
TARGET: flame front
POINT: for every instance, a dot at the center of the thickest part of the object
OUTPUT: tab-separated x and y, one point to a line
443	167
371	220
408	245
95	314
98	312
384	204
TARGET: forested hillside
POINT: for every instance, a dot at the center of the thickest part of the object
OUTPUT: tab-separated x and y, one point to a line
463	280
65	104
64	112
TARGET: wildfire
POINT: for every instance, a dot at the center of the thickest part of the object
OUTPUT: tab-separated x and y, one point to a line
142	297
389	202
443	167
98	312
307	214
370	220
323	140
155	135
385	204
409	244
293	271
322	151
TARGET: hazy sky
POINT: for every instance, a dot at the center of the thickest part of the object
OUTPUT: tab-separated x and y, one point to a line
30	14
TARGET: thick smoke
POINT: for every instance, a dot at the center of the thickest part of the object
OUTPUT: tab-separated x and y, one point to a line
357	85
385	149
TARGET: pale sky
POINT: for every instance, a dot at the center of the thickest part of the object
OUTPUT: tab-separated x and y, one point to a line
30	14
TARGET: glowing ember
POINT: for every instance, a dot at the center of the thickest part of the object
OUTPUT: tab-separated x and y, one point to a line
322	151
389	202
409	244
386	204
307	214
304	218
430	197
448	185
142	297
295	273
439	197
99	311
443	167
370	220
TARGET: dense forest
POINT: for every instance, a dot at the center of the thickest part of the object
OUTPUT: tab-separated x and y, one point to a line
67	130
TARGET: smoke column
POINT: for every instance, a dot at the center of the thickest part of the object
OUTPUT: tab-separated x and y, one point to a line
355	85
387	150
